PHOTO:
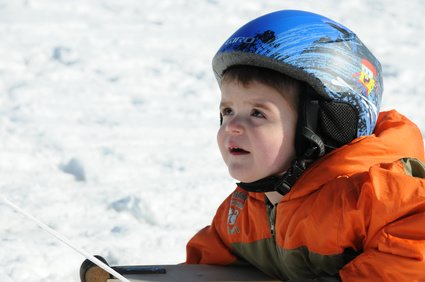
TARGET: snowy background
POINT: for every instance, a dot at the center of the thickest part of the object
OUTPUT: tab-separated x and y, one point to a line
108	116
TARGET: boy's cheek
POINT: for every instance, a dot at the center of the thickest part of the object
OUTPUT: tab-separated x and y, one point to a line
218	138
220	143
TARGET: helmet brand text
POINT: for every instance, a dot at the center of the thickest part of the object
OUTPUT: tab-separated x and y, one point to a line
240	39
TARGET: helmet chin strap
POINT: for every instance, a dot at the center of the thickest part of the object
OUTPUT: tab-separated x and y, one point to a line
282	183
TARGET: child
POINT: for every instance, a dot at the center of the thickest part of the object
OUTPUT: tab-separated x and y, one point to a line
330	189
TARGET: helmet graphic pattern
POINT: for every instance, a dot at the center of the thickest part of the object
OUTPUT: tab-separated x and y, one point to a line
314	49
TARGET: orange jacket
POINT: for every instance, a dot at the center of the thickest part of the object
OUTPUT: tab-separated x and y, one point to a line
357	214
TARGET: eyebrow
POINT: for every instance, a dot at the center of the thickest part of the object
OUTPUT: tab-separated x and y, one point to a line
261	105
255	104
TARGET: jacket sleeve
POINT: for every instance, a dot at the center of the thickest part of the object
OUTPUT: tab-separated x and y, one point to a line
210	244
392	201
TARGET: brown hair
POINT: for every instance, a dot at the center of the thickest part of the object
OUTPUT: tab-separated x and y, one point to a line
285	85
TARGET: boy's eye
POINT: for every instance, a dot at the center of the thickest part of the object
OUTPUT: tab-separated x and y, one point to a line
226	111
257	113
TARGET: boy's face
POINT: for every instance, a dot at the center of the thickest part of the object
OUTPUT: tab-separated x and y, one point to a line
256	138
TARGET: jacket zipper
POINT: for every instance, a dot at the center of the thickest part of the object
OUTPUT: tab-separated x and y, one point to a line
271	210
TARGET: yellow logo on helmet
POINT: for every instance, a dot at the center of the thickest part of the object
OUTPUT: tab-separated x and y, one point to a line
367	76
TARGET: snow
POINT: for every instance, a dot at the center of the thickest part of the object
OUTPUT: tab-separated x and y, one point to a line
108	116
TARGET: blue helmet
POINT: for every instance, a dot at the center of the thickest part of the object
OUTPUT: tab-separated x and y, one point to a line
342	78
330	58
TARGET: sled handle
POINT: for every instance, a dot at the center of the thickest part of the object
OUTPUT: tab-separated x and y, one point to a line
90	272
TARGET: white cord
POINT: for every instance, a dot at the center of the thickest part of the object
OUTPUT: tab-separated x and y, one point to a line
65	240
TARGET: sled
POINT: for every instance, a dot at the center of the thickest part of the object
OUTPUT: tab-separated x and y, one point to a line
180	272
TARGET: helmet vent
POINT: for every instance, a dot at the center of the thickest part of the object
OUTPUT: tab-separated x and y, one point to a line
337	123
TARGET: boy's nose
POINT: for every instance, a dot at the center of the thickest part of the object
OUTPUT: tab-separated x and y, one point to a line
234	127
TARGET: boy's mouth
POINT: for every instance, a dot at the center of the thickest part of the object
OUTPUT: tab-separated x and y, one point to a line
237	151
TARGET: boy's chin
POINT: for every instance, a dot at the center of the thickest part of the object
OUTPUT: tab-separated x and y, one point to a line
243	175
246	179
249	179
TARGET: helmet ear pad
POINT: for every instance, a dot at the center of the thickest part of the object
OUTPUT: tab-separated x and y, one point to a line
323	125
337	123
